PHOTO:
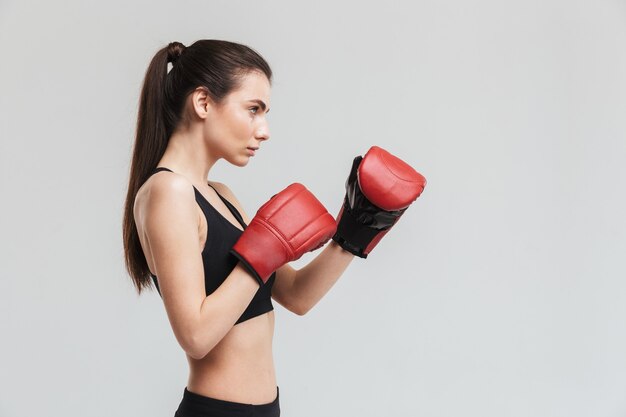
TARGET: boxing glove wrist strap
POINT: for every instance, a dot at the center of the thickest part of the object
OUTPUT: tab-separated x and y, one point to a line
354	236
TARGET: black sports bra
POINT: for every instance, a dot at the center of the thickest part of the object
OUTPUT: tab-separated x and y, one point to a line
216	258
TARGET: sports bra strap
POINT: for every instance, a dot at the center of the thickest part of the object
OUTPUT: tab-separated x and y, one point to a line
232	208
159	169
228	204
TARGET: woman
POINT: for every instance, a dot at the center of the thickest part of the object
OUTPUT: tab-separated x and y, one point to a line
180	229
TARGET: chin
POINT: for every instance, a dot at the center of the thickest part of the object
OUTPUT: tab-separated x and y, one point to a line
240	162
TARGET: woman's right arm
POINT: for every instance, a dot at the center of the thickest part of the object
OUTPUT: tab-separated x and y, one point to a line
167	218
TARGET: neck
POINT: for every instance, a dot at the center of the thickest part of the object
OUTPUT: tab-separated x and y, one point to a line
186	154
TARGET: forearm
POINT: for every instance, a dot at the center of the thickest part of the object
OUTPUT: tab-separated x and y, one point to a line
221	309
314	280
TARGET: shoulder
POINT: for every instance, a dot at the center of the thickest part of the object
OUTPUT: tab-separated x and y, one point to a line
165	187
230	196
165	194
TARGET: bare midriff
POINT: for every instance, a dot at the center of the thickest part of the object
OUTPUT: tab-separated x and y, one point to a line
240	368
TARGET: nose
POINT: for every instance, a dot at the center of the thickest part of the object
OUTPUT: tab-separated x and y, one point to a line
262	132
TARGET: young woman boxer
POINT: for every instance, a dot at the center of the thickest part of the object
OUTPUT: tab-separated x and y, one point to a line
216	269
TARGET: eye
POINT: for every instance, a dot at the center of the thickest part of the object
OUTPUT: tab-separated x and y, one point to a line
255	108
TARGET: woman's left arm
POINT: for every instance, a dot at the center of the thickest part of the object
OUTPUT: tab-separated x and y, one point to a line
300	290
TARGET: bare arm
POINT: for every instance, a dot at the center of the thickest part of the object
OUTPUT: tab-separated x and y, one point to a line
300	290
167	219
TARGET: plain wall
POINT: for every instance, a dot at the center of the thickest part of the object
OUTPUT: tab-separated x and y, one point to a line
501	291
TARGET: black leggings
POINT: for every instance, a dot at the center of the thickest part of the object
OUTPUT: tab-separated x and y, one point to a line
196	405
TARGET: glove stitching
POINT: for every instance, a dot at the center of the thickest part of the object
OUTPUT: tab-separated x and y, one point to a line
278	234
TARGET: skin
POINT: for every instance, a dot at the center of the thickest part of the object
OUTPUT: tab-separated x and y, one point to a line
226	361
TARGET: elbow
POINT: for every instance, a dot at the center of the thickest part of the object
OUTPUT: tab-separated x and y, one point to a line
292	303
193	350
301	310
196	353
196	348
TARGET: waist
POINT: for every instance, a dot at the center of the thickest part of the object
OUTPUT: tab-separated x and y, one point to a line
236	383
241	367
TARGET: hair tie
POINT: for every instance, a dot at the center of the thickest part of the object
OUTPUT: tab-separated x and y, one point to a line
174	50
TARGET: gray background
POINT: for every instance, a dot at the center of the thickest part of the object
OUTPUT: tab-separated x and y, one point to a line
501	292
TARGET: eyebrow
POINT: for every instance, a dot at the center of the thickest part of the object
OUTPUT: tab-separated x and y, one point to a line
260	103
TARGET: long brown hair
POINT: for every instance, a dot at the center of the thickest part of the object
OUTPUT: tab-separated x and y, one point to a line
218	66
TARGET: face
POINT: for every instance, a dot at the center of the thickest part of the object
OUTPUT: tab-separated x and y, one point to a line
236	128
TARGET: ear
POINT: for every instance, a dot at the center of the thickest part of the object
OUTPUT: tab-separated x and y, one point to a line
201	102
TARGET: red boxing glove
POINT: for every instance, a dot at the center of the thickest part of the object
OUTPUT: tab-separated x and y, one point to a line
290	224
379	189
